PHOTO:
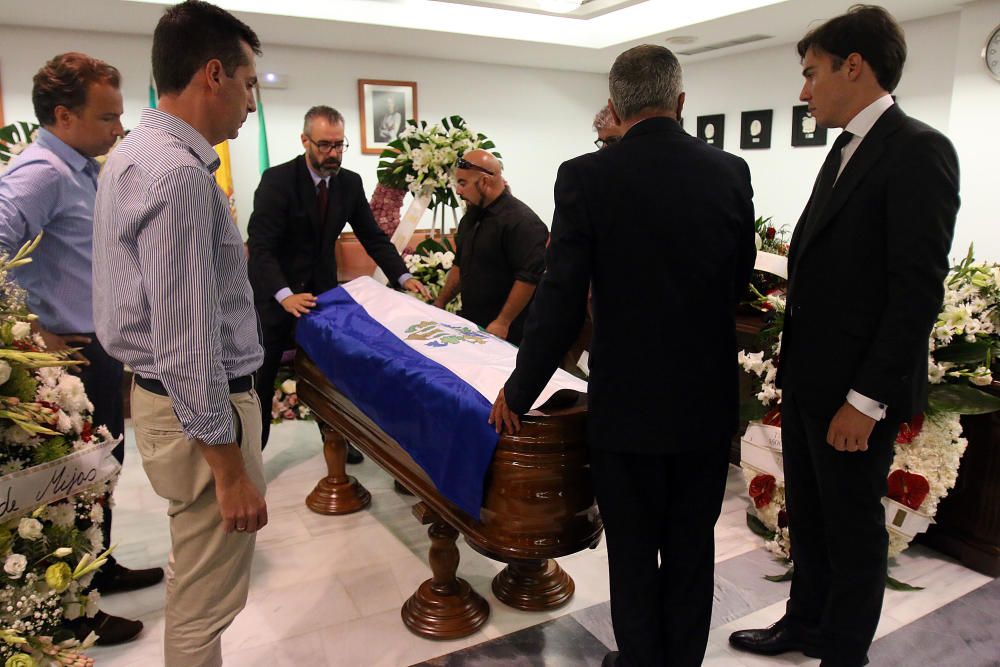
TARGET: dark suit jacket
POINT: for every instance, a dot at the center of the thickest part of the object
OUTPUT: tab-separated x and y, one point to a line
288	246
662	225
866	273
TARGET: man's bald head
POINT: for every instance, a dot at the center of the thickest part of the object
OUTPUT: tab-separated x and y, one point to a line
479	178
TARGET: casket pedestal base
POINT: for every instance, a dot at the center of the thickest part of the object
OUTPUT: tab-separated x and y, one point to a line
444	606
533	585
338	492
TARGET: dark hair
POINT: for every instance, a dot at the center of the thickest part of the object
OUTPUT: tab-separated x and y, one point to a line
646	77
331	115
64	82
865	29
192	33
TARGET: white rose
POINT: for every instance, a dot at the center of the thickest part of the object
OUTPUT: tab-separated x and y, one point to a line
20	330
4	371
288	386
29	529
14	565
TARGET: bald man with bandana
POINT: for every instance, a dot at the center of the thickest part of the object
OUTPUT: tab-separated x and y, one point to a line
499	250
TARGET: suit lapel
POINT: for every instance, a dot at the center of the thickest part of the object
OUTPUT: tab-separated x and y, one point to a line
865	157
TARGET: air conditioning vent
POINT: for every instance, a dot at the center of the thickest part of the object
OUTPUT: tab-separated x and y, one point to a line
724	45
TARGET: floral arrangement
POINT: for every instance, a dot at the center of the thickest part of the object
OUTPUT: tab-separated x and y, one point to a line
50	554
429	264
421	161
774	240
14	138
963	347
285	404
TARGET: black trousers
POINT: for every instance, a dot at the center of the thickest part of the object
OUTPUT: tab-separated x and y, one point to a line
659	514
102	379
837	525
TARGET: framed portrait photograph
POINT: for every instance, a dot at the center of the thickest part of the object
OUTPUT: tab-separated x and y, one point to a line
755	129
385	107
805	131
712	129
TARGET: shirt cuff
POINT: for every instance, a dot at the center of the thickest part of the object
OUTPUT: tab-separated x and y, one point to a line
403	278
282	294
867	406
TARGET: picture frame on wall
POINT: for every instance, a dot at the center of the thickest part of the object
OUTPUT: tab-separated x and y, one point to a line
712	129
755	129
805	131
384	108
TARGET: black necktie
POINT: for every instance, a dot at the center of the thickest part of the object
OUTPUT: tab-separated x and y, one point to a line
828	174
321	200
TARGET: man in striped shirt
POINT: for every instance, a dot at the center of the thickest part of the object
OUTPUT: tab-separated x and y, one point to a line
172	301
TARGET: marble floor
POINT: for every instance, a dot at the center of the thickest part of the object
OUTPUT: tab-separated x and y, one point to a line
327	590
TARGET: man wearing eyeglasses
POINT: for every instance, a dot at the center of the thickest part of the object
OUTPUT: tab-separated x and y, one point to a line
499	250
299	210
609	132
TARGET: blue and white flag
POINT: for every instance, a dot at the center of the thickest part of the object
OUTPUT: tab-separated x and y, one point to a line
427	377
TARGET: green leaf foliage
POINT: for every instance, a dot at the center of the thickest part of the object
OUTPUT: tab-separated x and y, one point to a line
961	398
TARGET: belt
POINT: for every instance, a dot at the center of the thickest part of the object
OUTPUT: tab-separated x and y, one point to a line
236	385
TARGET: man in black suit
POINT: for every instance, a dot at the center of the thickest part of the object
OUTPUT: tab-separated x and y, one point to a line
662	225
866	268
299	210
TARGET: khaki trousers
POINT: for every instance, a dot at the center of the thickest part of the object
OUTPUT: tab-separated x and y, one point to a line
211	569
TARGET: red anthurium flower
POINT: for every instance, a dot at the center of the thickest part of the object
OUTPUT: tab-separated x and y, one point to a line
908	488
762	490
910	430
773	417
771	231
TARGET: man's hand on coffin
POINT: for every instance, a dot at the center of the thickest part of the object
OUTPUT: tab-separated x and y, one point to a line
241	505
416	286
849	430
502	418
499	329
299	304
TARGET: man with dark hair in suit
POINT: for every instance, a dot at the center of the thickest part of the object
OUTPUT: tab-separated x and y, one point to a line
663	401
866	266
299	210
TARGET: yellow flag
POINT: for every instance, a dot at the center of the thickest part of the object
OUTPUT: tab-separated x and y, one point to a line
224	175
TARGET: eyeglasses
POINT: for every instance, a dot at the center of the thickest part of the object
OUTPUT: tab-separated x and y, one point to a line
327	146
465	164
604	143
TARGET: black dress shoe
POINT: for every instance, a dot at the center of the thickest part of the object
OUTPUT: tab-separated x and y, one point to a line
781	637
610	660
353	455
110	630
114	578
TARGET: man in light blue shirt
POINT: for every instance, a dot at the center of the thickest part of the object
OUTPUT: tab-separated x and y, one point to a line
50	187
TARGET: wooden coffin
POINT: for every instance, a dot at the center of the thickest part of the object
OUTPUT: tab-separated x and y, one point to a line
538	505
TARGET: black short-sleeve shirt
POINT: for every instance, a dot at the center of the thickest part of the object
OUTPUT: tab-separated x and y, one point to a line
495	246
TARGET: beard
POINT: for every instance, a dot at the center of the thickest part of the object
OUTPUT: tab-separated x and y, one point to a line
325	166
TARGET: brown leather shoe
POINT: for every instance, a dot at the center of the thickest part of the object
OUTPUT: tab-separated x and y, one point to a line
114	578
110	630
781	637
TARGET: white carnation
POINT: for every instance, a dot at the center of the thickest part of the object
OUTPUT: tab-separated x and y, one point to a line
20	330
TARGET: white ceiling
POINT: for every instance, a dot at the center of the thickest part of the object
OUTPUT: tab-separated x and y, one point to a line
478	33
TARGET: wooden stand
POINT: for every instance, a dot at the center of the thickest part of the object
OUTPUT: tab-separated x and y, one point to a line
534	585
444	606
967	524
338	492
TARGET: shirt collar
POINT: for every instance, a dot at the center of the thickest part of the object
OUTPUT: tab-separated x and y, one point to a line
862	123
316	177
65	152
171	124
